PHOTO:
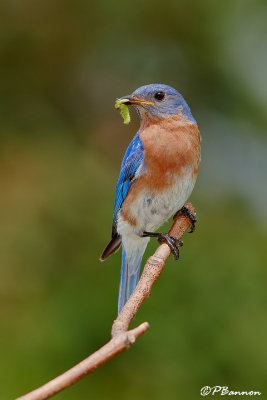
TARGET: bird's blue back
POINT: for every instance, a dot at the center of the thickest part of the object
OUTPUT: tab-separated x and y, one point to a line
130	163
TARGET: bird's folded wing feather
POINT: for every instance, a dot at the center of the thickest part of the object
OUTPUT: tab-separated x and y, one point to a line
132	160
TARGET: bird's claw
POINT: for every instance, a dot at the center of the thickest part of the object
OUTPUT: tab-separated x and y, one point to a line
188	213
172	242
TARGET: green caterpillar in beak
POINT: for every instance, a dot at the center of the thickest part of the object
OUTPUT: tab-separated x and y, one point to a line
124	109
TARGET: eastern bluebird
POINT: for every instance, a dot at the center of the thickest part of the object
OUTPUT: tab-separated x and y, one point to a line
158	173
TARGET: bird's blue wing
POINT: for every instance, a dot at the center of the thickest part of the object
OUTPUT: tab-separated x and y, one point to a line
130	163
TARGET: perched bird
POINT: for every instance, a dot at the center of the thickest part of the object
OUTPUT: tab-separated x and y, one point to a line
158	173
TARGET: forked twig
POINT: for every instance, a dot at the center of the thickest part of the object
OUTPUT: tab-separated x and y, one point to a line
122	338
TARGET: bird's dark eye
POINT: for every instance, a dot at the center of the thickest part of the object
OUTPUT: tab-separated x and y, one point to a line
159	96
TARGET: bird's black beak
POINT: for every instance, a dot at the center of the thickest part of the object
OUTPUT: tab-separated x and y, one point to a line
125	100
132	100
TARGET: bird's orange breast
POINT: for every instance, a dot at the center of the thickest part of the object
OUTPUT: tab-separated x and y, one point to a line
170	146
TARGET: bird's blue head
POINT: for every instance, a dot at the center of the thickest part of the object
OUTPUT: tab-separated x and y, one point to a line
158	100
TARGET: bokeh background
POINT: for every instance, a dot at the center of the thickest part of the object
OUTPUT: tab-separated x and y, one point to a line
63	63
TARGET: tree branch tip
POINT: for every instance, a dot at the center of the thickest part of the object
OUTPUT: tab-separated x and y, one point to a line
142	328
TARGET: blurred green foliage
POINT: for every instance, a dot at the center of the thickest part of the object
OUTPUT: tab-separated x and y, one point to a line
62	66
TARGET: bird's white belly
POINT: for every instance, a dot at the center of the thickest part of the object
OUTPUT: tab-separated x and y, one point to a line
151	210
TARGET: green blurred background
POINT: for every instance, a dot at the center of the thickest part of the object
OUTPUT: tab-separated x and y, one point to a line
63	63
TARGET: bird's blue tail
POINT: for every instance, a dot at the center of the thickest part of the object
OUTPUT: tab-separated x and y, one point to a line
130	269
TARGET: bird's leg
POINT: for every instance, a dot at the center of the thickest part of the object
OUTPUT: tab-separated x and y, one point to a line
188	213
171	241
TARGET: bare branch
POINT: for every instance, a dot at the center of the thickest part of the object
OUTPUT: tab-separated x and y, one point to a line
122	339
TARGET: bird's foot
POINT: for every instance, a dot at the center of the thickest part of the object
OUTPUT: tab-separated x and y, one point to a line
188	213
171	241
